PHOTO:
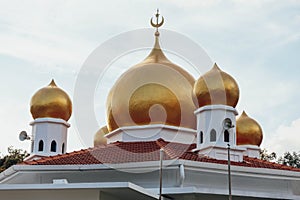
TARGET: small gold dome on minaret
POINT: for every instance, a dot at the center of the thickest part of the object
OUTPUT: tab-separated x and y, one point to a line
99	137
216	87
248	131
51	101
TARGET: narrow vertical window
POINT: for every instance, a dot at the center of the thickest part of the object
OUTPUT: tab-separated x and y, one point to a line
53	146
201	137
213	135
32	145
226	136
63	148
41	145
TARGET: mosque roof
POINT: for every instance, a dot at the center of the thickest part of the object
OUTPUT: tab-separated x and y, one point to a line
131	152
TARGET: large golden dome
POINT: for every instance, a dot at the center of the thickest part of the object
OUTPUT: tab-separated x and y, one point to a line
216	87
51	101
248	131
99	138
155	91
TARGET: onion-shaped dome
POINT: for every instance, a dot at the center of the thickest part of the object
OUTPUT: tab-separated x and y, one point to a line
248	131
216	87
51	101
155	91
99	138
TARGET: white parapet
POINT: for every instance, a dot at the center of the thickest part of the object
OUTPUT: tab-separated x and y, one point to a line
221	153
251	151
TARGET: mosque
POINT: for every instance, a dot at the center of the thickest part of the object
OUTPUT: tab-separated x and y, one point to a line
168	136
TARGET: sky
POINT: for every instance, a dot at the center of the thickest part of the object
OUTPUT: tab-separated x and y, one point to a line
257	42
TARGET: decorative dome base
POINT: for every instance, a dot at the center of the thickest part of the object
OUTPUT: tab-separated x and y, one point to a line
151	133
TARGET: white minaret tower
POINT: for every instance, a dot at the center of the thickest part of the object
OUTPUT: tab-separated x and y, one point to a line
217	94
51	108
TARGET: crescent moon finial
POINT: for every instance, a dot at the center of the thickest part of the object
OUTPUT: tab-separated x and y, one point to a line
157	24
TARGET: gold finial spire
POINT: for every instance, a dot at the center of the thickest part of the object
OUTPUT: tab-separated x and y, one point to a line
52	84
157	25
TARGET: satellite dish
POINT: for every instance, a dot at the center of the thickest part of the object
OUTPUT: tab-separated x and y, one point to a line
227	124
23	136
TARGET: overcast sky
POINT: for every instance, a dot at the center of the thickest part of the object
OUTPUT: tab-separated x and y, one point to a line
257	42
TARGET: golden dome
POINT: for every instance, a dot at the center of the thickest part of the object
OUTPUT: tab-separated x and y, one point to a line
99	138
51	101
155	91
216	87
248	131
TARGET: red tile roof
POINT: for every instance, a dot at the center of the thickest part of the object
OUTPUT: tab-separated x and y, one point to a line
125	152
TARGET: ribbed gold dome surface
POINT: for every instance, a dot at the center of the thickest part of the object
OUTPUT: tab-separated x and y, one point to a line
248	131
155	91
99	138
51	101
216	87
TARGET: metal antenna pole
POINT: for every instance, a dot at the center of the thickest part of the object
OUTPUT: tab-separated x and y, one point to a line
229	173
161	155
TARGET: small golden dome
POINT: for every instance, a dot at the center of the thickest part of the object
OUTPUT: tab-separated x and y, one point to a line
216	87
155	91
248	131
51	101
99	138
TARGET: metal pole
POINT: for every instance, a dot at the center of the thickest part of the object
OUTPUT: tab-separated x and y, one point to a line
229	173
161	155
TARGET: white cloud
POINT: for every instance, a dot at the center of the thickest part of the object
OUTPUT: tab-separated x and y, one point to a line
285	138
45	53
196	4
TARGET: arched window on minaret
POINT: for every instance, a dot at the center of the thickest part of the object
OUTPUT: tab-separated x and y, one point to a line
53	146
213	135
201	137
32	145
63	148
41	145
226	136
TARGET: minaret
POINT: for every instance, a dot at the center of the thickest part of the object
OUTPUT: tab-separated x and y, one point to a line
217	94
51	108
